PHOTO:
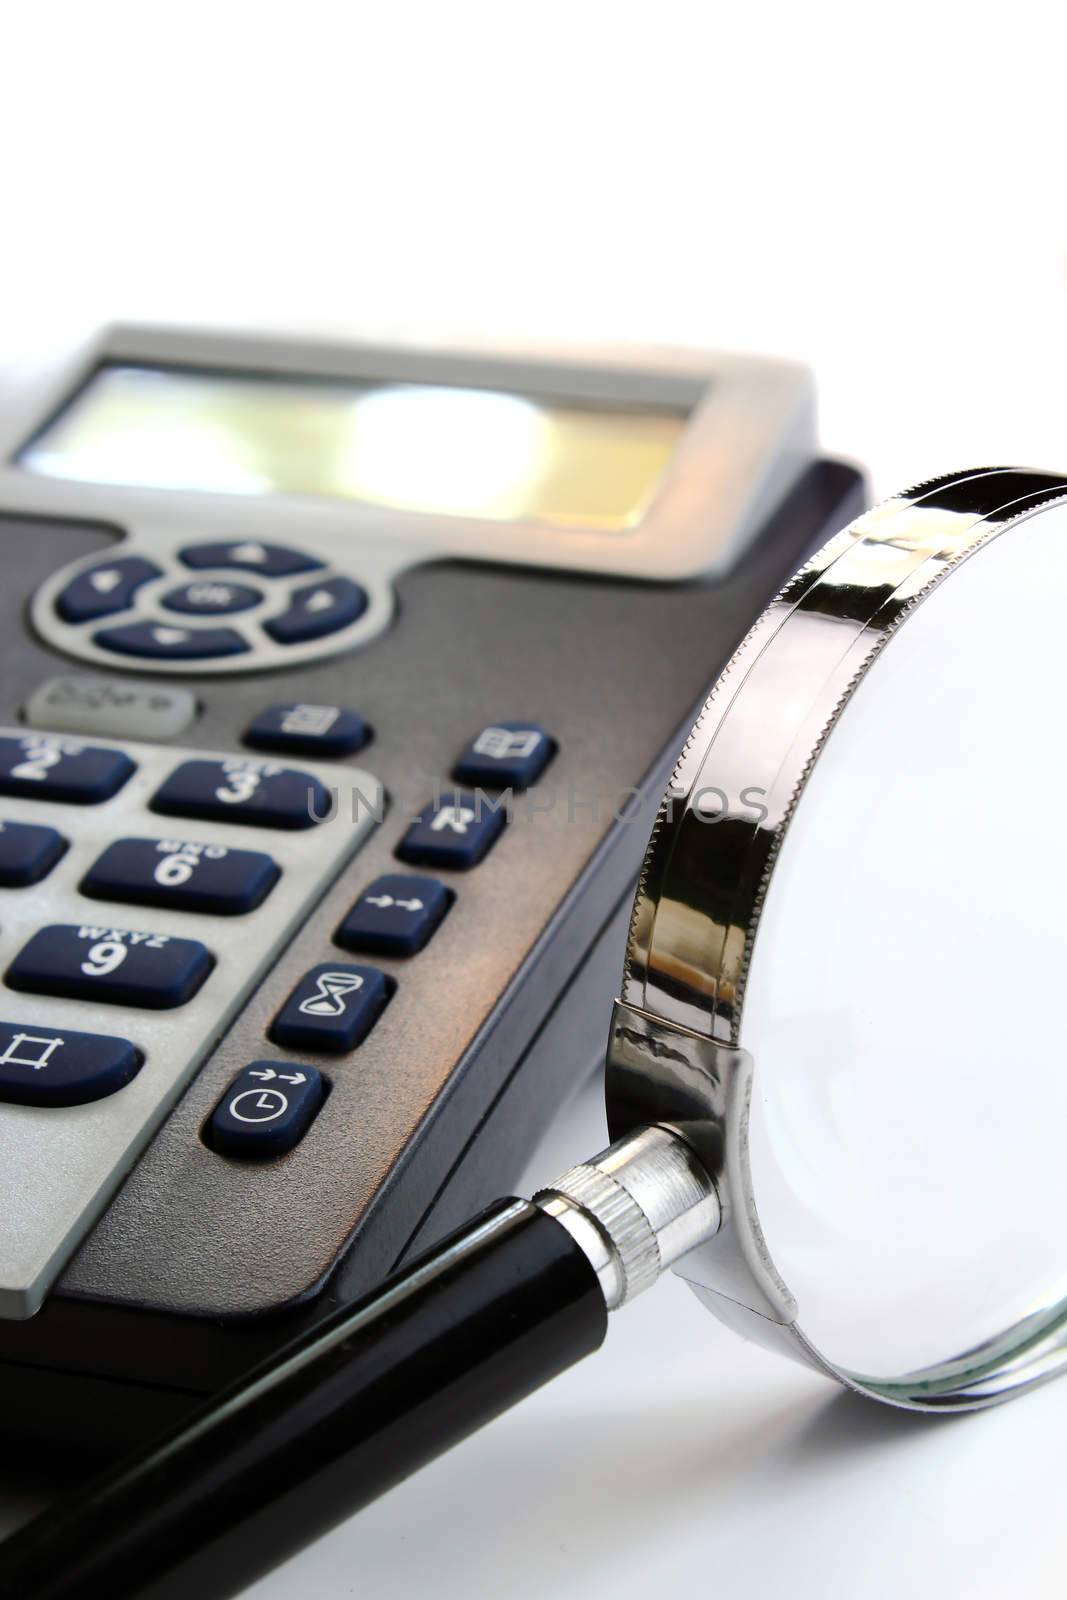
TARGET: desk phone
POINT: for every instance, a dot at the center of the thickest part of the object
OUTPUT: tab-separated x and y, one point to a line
340	685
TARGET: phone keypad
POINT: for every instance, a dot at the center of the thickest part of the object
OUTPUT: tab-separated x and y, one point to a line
169	978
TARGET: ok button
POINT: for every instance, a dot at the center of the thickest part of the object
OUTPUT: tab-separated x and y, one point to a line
266	1110
211	597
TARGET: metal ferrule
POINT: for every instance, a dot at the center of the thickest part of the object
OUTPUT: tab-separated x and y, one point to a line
635	1209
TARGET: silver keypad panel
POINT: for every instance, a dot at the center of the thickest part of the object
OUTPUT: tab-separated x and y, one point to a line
60	1165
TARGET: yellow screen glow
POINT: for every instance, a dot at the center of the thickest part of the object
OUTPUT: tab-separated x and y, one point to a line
463	452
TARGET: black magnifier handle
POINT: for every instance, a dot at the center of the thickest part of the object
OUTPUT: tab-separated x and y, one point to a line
375	1391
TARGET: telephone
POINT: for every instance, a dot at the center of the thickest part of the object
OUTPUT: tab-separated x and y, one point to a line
340	687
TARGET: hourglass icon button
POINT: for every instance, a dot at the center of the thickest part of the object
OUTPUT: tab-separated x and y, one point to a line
333	1008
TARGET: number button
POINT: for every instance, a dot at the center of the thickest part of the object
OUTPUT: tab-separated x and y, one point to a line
266	1110
456	831
118	966
44	1066
258	793
185	875
27	853
333	1008
39	767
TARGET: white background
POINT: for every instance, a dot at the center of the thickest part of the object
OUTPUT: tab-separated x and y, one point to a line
878	190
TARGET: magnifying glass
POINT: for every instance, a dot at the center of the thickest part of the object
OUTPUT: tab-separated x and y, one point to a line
835	1073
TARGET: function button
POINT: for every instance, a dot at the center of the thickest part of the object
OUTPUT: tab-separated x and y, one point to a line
506	755
456	831
395	916
258	794
266	1110
43	1066
318	609
36	767
74	704
117	966
333	1008
184	875
248	555
161	641
102	590
211	597
27	853
306	730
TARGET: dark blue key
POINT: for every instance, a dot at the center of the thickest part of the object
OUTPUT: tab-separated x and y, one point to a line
184	875
505	755
333	1008
102	590
266	1110
45	1066
395	916
260	794
318	609
27	853
43	767
249	555
211	597
166	641
456	831
116	966
308	730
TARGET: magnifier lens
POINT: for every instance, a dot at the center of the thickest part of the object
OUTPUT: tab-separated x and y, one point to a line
907	1002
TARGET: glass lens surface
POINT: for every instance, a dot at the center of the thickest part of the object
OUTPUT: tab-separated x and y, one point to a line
907	1001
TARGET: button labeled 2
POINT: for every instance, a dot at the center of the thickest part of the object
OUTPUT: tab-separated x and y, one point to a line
266	1110
37	767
